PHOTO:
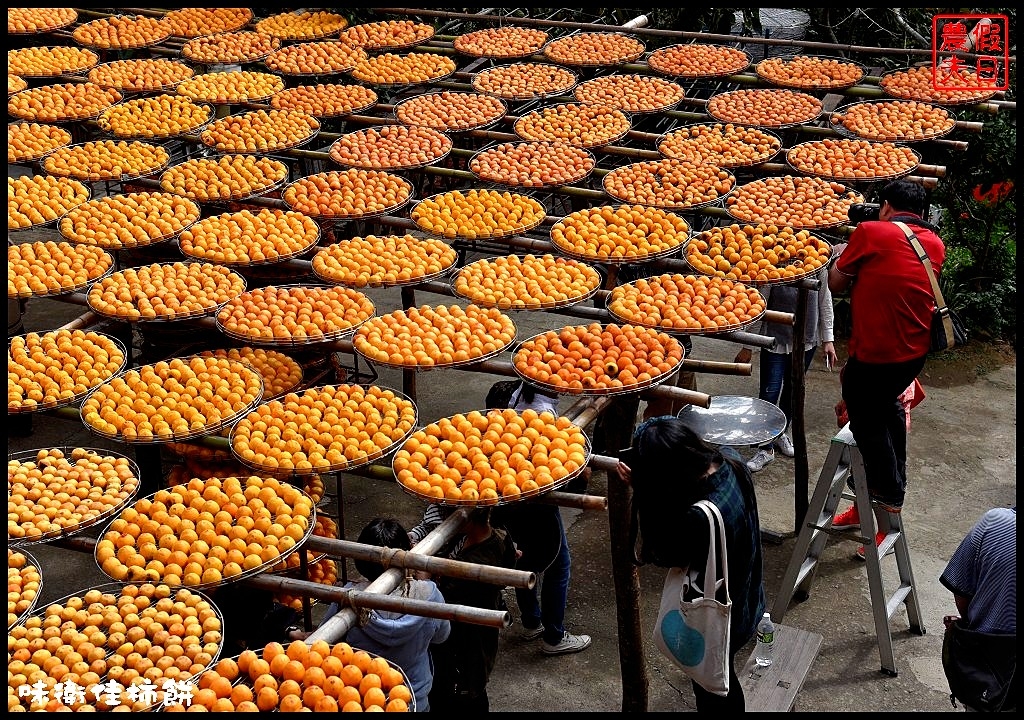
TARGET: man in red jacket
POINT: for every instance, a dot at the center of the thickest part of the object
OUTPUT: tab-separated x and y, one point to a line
891	304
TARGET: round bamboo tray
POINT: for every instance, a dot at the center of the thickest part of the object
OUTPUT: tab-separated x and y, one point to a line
458	326
356	214
389	139
578	385
865	149
657	173
16	66
833	83
123	312
157	438
444	122
837	120
632	291
563	114
104	260
504	296
206	138
686	60
524	173
97	75
497	43
924	80
630	50
407	466
291	341
353	454
841	196
160	34
768	148
559	81
245	574
131	488
718	108
29	563
106	204
110	176
65	18
378	265
120	594
17	408
418	215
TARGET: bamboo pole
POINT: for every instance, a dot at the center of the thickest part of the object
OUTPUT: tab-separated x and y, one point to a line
578	405
82	321
604	462
394	557
346	596
578	501
674	394
719	368
590	413
334	628
354	600
777	316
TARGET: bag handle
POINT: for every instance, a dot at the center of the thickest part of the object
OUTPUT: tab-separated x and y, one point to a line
714	516
922	255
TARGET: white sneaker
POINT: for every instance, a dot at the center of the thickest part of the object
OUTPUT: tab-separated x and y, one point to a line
569	644
784	444
762	458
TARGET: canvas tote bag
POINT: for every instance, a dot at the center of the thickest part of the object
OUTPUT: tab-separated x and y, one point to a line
693	627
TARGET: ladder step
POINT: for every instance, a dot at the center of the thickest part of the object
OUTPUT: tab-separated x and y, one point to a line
894	602
805	569
888	542
840	473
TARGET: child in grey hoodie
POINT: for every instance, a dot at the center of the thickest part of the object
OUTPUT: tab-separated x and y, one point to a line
403	639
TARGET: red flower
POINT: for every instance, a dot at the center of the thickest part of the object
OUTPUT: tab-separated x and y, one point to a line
995	193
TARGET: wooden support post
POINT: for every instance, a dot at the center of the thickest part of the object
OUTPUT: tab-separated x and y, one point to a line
797	378
307	606
339	507
409	376
614	430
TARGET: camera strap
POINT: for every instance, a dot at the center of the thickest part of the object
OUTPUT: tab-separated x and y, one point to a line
922	255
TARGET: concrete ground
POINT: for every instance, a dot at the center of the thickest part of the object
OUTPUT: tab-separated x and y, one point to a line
962	461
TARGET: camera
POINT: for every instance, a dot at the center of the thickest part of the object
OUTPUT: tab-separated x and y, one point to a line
859	212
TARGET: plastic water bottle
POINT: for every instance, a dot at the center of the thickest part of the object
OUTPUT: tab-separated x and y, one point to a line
765	641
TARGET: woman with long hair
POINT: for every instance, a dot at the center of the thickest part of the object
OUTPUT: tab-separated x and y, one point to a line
670	468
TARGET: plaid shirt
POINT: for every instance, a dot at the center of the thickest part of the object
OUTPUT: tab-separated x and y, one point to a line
680	539
743	536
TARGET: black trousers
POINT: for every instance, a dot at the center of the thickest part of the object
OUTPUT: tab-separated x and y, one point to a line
733	702
879	423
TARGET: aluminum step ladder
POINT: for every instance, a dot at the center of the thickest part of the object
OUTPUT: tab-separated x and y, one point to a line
844	460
